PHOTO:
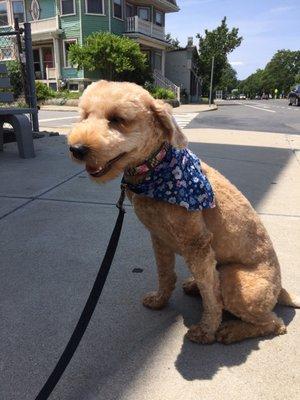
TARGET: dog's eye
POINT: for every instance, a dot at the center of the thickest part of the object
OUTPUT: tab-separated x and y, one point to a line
116	120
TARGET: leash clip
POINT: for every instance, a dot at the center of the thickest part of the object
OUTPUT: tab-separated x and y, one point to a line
120	202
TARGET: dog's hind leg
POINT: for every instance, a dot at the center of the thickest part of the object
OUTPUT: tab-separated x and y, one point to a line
165	260
235	330
250	293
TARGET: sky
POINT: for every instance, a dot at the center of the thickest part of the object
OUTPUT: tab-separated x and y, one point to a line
266	26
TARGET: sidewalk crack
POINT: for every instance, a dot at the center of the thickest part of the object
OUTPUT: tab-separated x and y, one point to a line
33	198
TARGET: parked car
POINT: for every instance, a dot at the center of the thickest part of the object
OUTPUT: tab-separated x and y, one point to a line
242	96
257	97
294	96
265	96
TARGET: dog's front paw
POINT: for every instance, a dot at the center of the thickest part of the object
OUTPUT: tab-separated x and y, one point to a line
198	334
155	301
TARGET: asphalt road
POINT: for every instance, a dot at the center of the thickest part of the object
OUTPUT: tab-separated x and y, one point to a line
249	115
57	119
265	116
64	119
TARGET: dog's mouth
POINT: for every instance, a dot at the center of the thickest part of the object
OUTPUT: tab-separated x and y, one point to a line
96	171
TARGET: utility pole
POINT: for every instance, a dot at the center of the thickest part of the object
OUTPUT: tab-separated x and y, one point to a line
211	79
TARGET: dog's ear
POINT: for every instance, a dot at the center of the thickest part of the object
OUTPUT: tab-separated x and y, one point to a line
163	114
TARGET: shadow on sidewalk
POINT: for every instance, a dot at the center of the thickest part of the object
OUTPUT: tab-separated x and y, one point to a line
44	284
203	362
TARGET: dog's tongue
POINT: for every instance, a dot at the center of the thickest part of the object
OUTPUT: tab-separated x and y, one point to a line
93	169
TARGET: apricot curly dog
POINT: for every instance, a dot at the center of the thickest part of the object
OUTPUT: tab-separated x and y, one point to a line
224	243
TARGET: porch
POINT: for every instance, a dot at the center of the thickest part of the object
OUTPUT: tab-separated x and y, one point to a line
46	50
137	25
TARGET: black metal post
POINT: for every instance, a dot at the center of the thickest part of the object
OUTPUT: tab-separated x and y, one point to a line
30	75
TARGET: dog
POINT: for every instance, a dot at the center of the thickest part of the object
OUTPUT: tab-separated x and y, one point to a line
233	264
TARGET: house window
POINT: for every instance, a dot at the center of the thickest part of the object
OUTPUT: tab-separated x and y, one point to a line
159	18
94	7
67	44
3	13
73	87
18	10
67	7
144	13
118	9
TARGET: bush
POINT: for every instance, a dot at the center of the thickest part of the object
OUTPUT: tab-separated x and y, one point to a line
184	96
15	76
66	94
160	93
114	57
43	92
204	100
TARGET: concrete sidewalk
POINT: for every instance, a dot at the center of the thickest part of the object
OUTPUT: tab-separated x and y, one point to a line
54	227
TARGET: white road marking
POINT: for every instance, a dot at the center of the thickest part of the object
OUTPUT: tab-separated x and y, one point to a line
258	108
57	119
184	119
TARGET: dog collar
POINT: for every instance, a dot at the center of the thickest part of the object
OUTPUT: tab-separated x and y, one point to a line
150	163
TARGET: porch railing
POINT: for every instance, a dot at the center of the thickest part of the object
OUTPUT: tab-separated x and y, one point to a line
44	25
162	81
51	73
138	25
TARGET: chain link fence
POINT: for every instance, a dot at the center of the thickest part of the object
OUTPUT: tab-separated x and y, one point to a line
17	87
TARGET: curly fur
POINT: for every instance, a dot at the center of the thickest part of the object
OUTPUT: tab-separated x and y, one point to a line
230	256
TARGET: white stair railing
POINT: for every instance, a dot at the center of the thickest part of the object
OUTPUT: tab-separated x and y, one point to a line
162	81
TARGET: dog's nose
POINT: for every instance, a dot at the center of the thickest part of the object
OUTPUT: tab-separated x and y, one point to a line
79	151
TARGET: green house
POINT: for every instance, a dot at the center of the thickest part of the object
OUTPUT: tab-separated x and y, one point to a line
56	24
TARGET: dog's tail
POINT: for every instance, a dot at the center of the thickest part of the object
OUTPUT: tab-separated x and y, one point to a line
287	299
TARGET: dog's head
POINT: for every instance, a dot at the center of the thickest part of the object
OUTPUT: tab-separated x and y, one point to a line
121	125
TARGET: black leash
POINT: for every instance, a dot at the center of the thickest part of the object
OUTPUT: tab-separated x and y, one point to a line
89	307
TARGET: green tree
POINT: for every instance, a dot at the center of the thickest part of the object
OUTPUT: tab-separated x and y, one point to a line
297	78
174	43
228	80
114	57
254	84
218	43
281	71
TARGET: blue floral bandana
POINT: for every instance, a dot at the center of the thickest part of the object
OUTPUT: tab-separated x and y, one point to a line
176	179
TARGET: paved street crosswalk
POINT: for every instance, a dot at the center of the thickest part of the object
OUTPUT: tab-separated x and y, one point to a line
269	106
184	119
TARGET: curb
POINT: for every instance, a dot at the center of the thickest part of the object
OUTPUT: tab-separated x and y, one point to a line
214	107
47	107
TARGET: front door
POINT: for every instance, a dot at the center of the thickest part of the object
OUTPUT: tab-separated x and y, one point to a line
42	59
47	59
